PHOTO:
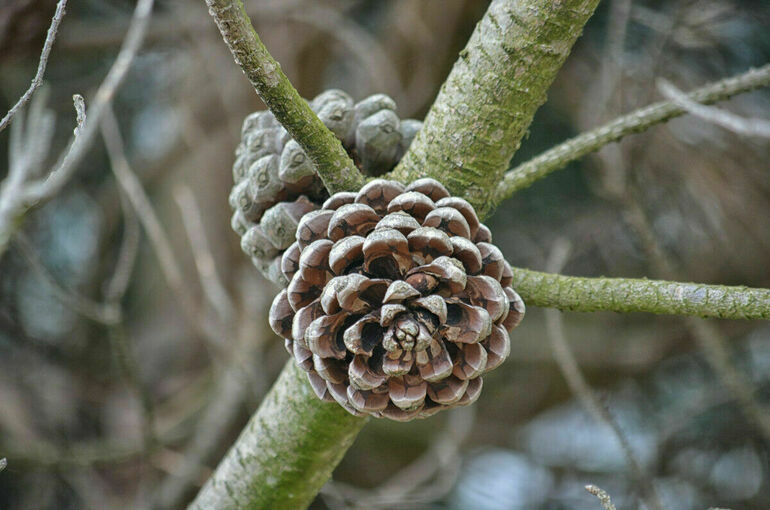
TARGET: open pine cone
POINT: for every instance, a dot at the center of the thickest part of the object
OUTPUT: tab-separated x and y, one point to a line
397	301
276	183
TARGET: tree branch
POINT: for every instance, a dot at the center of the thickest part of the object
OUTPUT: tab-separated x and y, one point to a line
740	125
637	121
627	295
335	167
19	194
499	81
38	79
487	103
286	452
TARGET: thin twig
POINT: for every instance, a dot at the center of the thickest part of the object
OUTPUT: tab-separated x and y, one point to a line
735	123
426	479
104	96
212	285
211	429
159	240
577	383
635	122
38	79
129	248
714	347
603	497
16	199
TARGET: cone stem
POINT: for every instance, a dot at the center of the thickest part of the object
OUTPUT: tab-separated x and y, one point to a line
336	169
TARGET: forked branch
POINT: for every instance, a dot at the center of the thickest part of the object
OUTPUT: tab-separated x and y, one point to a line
335	167
637	121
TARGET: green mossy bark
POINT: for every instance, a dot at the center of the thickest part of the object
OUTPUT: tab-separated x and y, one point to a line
635	122
294	441
487	103
285	454
335	167
579	294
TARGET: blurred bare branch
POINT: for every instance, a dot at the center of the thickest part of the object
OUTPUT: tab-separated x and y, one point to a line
580	387
38	79
19	192
427	479
213	288
169	264
740	125
635	122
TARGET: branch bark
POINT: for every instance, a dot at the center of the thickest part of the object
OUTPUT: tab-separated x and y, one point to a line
294	441
635	122
335	167
580	294
286	453
487	103
38	79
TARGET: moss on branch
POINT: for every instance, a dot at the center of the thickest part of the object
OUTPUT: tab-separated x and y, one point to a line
635	122
580	294
487	103
335	167
285	454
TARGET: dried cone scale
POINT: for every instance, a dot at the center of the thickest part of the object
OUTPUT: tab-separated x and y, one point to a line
397	302
276	183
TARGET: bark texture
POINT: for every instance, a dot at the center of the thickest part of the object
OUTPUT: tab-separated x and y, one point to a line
334	166
634	122
626	295
487	103
285	454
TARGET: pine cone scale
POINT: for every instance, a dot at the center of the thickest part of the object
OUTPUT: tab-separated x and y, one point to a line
400	305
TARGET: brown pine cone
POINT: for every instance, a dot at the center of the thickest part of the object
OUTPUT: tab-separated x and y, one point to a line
397	301
276	183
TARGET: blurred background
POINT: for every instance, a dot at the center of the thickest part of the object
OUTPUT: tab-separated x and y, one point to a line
129	363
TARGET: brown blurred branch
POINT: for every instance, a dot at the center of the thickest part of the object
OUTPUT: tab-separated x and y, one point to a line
213	288
735	123
38	79
161	245
635	122
579	386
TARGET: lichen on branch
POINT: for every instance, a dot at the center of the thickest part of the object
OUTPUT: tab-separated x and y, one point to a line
285	453
337	170
487	103
636	121
625	295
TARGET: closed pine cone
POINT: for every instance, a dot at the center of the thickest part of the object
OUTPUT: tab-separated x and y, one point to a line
276	183
397	302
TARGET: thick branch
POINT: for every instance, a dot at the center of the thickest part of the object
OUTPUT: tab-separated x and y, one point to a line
286	452
627	295
488	101
635	122
335	167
